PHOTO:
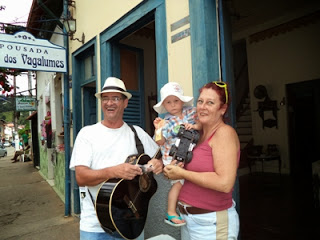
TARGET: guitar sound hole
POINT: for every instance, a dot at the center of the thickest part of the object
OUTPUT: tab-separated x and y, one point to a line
132	159
144	183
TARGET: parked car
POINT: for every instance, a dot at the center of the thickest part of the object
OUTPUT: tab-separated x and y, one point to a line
7	144
3	150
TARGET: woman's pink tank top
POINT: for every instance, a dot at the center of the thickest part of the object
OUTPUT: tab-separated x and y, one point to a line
200	197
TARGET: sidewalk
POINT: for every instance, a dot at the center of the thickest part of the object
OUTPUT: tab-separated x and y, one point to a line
29	207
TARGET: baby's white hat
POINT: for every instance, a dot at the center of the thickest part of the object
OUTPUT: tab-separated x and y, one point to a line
171	89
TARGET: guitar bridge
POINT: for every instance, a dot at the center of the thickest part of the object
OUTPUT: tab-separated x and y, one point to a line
131	206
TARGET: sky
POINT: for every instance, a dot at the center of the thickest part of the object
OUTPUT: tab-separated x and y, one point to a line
17	12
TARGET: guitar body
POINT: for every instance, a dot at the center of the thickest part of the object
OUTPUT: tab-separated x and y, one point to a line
122	205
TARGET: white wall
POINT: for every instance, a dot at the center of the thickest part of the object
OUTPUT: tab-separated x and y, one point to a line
50	87
274	62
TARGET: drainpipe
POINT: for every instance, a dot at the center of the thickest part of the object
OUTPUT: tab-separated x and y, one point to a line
66	112
66	120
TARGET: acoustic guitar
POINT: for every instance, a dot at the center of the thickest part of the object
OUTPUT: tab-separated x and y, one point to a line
122	205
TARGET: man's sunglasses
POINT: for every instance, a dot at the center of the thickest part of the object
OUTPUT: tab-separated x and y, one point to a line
222	85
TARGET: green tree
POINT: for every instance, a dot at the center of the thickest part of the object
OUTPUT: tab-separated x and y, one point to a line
22	120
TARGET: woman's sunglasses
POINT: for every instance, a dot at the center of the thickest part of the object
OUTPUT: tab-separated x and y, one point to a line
222	85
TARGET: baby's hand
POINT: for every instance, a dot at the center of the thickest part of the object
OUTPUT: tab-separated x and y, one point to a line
177	163
158	123
188	126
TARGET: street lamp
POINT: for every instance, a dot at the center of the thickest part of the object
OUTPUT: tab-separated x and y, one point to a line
70	25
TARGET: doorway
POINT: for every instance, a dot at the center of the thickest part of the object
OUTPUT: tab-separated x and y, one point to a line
304	133
134	61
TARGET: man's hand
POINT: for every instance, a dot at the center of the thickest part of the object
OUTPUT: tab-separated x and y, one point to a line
127	171
157	165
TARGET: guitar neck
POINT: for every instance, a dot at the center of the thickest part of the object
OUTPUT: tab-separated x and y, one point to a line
158	154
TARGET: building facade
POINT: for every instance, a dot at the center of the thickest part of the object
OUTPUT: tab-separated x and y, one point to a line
266	51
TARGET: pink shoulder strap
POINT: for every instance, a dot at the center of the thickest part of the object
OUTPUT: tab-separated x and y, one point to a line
211	136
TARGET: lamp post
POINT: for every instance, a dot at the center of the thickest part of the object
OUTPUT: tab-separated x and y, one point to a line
14	106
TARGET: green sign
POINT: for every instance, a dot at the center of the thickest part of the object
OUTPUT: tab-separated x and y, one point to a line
26	104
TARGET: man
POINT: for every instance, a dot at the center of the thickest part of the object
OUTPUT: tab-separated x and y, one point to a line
25	137
23	150
100	151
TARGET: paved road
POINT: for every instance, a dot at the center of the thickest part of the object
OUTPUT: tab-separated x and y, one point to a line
29	207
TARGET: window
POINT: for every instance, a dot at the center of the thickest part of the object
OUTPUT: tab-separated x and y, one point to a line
89	67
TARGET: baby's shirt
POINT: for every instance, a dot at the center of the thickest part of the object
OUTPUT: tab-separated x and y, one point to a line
171	128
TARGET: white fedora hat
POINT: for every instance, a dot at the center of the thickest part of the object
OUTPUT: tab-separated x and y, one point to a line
113	84
171	89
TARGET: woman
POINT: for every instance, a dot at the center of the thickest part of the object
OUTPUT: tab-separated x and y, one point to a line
205	200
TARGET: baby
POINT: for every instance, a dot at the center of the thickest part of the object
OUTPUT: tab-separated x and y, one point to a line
179	111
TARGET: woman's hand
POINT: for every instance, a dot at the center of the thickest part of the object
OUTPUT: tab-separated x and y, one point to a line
173	171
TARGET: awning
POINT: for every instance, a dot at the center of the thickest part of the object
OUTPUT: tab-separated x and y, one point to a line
32	115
